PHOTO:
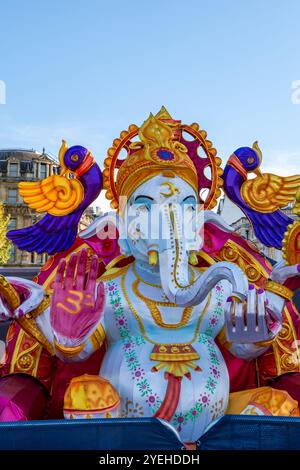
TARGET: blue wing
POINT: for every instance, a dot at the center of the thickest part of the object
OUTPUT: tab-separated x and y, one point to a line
269	228
50	235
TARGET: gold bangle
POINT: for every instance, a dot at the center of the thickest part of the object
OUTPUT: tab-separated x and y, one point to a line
268	342
279	289
98	337
40	308
9	293
68	351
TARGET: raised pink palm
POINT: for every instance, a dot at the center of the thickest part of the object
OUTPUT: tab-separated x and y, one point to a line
77	302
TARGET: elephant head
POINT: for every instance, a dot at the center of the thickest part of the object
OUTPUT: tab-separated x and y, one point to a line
162	227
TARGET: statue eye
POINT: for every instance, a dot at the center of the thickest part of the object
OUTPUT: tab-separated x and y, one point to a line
250	160
75	158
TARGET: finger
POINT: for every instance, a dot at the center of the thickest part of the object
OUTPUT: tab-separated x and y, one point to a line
59	278
229	315
70	271
92	276
261	312
100	298
293	270
238	308
251	308
81	270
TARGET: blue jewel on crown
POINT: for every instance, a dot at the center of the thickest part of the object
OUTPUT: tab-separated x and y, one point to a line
165	154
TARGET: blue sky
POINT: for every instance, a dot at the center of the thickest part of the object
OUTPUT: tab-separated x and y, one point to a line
84	70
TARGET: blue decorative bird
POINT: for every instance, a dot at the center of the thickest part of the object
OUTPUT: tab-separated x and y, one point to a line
260	198
63	199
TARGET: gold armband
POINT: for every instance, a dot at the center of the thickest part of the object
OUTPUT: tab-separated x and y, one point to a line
9	293
40	308
268	342
98	337
279	289
68	351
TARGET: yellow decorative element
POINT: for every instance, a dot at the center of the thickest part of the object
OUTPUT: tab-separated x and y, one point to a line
26	355
29	325
140	323
177	359
9	293
245	260
266	400
296	208
173	357
264	343
290	360
179	369
5	243
279	289
291	244
40	309
153	258
27	322
142	162
172	189
98	337
68	351
56	195
90	393
156	315
257	150
61	155
193	258
291	240
146	162
268	192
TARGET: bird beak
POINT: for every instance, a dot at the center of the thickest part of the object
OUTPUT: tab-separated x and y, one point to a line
257	172
237	165
85	165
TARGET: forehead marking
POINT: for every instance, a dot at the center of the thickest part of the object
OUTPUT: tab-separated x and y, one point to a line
172	189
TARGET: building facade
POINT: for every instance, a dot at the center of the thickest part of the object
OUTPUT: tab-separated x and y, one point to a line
240	223
26	165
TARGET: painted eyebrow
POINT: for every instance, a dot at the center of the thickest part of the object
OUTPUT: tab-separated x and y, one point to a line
143	197
189	197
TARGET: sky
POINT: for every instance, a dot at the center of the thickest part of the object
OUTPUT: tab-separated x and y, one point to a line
85	70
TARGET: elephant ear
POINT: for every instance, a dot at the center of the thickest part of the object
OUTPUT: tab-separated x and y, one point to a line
105	236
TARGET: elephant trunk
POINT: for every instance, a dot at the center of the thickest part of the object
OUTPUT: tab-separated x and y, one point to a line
176	282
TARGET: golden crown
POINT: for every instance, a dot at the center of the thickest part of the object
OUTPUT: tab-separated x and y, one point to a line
161	149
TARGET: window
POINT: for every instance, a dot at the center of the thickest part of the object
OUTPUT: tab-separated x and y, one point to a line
12	196
12	255
43	171
13	169
247	234
12	224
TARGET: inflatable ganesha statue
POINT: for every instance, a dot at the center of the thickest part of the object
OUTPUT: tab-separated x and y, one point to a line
158	309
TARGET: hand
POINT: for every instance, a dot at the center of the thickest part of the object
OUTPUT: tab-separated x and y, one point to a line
6	313
18	296
289	276
77	303
251	321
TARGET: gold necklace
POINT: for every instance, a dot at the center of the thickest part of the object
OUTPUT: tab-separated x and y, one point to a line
152	305
155	313
140	323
